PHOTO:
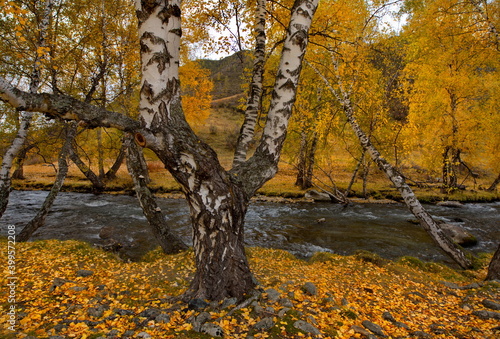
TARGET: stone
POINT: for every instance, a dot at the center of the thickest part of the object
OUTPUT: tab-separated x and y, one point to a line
317	196
450	203
121	311
84	273
437	329
483	314
150	313
197	304
270	310
310	288
144	335
272	294
162	318
491	304
58	282
264	325
229	302
212	329
360	330
79	288
108	232
374	328
97	312
199	320
459	235
128	333
285	302
283	311
388	316
306	327
421	334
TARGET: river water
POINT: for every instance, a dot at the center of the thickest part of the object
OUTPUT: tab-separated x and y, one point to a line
380	228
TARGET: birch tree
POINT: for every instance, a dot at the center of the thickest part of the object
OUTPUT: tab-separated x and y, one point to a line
25	117
340	76
217	199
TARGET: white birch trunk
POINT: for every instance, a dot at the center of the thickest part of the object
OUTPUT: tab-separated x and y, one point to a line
25	117
218	199
263	165
254	97
411	201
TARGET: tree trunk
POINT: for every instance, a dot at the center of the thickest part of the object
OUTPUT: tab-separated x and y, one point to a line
254	97
305	166
355	174
169	242
100	154
494	184
411	201
26	117
218	216
494	267
19	163
39	220
111	173
217	198
301	163
426	220
97	183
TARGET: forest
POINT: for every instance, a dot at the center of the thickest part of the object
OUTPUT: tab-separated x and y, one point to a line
355	100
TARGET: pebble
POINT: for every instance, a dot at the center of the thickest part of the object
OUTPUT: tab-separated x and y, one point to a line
374	328
84	273
197	304
306	327
310	288
212	329
272	294
264	325
491	304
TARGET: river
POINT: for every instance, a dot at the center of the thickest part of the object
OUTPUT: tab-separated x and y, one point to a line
380	228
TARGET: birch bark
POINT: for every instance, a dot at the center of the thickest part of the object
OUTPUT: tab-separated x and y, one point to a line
411	201
217	199
255	95
26	117
62	170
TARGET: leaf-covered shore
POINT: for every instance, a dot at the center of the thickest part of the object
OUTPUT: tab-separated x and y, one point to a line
68	289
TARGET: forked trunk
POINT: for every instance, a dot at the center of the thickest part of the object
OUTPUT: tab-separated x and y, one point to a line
97	183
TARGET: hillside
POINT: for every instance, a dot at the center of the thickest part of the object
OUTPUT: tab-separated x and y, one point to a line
228	74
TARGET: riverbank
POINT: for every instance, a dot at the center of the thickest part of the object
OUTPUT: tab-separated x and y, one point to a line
281	188
71	290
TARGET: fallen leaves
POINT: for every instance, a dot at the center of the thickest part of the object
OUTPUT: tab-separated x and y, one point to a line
348	292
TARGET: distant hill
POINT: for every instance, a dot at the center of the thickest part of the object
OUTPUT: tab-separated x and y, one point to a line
227	74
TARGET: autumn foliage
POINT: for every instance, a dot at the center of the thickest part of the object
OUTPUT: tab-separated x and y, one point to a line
56	299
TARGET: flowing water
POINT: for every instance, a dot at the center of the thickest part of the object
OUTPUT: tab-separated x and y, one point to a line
381	228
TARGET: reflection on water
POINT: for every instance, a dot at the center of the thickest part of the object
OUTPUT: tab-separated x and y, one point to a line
379	228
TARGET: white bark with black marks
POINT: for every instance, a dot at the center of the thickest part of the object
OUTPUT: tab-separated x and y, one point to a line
62	170
411	201
218	199
255	94
25	117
